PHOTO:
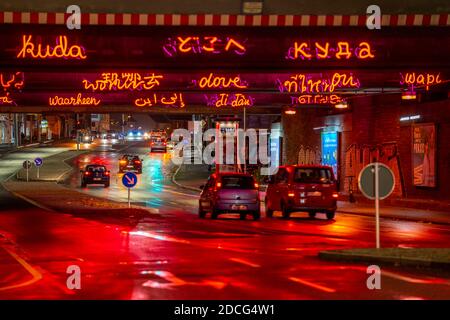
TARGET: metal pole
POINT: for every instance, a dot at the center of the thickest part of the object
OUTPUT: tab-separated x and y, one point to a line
37	172
27	173
377	204
245	141
129	201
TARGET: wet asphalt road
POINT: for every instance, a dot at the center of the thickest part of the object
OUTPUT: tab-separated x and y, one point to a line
172	254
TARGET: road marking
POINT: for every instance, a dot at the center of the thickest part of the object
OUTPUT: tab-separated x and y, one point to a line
245	262
34	203
34	273
158	237
413	280
312	285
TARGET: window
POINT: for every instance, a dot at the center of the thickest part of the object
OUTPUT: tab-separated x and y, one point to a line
237	182
313	175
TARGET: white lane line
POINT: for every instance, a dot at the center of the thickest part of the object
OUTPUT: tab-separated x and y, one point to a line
312	285
245	262
413	280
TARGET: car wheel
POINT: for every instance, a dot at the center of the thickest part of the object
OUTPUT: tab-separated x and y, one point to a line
256	215
330	215
107	185
242	216
269	210
284	211
201	213
312	214
214	214
83	185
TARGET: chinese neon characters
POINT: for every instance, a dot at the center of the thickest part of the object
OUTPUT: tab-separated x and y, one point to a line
123	81
176	100
62	49
413	79
78	100
203	44
324	50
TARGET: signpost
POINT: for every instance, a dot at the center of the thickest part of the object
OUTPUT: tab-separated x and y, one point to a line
38	162
376	182
129	180
26	165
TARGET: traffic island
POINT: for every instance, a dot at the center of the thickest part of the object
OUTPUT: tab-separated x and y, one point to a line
411	257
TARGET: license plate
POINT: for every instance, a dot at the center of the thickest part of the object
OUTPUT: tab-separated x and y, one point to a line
314	194
238	207
97	179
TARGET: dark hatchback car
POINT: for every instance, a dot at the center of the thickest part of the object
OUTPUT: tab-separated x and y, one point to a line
130	162
95	174
230	193
309	188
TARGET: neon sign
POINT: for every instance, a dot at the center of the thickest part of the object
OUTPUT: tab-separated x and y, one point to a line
6	100
176	99
60	50
230	100
321	51
12	81
316	99
412	79
123	81
303	83
205	44
218	82
79	100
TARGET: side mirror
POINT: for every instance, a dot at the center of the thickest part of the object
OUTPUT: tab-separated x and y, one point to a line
202	187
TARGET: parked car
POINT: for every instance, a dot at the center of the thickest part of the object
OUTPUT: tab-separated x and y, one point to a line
158	144
95	174
310	188
230	193
129	162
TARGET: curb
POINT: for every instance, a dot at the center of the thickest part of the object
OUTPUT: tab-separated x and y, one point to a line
387	260
404	218
181	185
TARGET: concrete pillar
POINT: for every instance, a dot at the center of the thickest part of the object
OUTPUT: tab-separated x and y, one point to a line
300	137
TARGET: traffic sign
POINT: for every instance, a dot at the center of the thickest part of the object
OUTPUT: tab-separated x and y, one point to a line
376	181
129	179
38	162
26	164
366	181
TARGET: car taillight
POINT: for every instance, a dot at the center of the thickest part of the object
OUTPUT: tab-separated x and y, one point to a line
123	161
291	194
164	143
218	185
137	162
256	185
86	173
107	173
335	195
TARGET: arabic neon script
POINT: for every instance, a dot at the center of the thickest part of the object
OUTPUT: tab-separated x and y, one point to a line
229	100
200	45
304	83
78	100
412	79
6	100
62	49
124	81
175	99
317	99
215	82
12	81
324	50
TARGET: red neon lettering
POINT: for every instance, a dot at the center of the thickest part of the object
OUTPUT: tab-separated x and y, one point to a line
176	99
301	83
420	79
343	50
123	81
300	49
221	82
323	50
61	50
211	41
364	51
231	41
182	44
79	100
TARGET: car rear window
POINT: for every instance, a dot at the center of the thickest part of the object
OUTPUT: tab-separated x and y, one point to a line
237	182
313	175
96	168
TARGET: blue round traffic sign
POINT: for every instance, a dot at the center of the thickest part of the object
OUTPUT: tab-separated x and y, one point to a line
129	179
38	162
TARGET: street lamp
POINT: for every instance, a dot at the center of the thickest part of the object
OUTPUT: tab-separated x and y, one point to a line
409	95
290	111
341	105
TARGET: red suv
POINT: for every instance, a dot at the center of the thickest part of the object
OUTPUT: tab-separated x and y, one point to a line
310	188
